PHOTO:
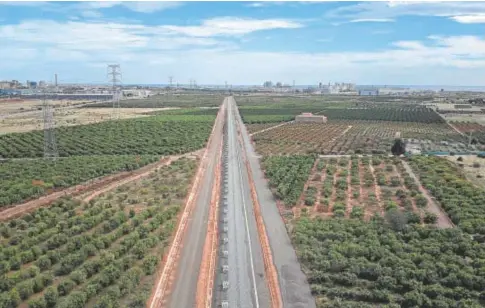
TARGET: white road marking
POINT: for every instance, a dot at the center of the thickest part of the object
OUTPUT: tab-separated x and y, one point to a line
246	217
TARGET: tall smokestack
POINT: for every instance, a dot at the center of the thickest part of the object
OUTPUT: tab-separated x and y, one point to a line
55	80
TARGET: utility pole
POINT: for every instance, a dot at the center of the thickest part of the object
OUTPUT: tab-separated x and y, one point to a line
170	81
114	75
294	86
50	144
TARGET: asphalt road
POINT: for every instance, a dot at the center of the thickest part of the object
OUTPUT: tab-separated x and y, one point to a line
243	277
185	284
295	291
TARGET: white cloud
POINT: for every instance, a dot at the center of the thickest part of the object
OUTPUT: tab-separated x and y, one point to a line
372	20
91	14
232	26
150	7
470	19
256	4
93	6
463	12
79	50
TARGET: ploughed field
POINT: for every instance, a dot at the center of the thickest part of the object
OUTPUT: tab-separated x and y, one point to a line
363	234
103	253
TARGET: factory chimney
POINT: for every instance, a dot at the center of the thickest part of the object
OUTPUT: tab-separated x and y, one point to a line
55	80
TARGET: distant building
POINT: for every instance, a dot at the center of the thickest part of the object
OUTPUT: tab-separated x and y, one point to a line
42	84
4	84
268	84
308	117
369	92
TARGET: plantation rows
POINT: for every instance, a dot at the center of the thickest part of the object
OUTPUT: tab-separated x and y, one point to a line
22	180
348	137
251	115
287	175
342	187
415	114
351	263
462	201
157	135
361	187
168	100
101	254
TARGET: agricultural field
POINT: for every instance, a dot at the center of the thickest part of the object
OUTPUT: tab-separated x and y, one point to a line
477	130
27	179
364	235
69	117
349	137
472	166
171	133
255	110
103	253
351	263
357	187
461	199
168	100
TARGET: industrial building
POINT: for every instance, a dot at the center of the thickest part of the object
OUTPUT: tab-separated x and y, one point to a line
308	117
369	92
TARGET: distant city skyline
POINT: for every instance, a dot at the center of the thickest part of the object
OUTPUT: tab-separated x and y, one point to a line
245	43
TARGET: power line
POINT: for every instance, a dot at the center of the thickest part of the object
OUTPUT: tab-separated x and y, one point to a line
170	80
50	143
114	75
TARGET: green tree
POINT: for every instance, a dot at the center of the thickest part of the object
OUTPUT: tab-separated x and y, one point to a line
38	302
398	148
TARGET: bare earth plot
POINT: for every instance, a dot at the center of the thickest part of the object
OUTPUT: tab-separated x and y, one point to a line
69	117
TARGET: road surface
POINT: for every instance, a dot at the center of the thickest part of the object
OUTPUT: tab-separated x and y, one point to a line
295	291
185	279
240	280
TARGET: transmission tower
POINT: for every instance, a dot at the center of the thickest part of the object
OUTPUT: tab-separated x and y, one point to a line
170	80
114	75
50	144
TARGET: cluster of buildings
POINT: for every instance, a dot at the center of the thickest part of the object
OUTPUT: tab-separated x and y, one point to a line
17	85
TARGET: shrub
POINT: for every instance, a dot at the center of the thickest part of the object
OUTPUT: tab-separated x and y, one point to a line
430	218
65	287
149	264
37	303
51	295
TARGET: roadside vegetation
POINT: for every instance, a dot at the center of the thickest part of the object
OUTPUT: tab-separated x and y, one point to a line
104	253
27	179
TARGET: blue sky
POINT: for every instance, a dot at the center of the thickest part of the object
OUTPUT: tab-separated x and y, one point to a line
406	43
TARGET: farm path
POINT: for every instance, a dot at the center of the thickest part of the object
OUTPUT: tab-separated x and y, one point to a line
270	128
443	219
91	188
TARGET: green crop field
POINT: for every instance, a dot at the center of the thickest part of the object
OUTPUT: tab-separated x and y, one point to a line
167	100
156	135
22	180
98	254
